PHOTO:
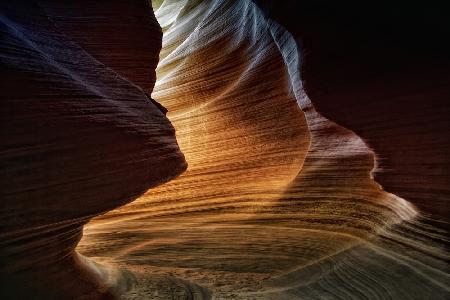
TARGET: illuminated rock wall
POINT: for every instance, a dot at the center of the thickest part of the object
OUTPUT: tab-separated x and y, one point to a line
278	202
294	190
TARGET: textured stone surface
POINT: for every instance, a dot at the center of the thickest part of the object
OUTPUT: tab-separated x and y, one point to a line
290	137
77	140
279	201
124	37
383	73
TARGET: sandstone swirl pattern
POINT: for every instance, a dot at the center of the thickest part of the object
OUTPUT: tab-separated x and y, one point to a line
278	202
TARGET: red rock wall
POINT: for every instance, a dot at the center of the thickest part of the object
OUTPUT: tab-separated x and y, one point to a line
78	137
126	37
382	72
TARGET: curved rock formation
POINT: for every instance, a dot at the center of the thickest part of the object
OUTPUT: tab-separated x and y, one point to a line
278	202
79	137
384	74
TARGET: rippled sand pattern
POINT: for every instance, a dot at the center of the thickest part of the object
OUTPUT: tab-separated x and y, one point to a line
278	202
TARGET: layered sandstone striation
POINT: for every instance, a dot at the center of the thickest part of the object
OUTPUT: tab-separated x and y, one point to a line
279	200
383	73
303	181
79	137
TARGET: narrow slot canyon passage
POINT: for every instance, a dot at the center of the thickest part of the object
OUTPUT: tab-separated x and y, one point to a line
223	149
278	202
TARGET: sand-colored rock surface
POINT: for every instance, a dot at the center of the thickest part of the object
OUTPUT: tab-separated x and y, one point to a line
278	202
302	183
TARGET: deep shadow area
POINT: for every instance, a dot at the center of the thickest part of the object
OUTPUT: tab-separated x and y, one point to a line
381	70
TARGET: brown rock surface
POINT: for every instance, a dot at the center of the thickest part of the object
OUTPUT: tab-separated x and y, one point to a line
279	201
77	140
382	72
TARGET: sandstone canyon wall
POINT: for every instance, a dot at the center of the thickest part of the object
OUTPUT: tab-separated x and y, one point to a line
279	201
303	181
382	70
79	137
